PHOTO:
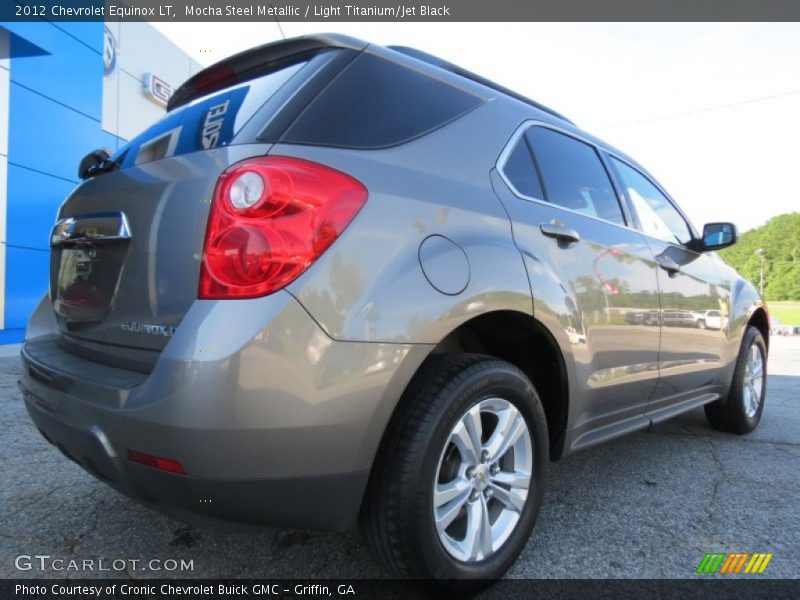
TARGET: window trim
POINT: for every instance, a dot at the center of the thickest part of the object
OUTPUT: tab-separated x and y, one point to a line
520	131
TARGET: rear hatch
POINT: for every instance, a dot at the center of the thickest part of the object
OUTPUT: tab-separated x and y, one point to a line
127	245
125	258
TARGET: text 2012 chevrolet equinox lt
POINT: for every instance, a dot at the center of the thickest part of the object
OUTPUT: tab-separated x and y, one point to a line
344	283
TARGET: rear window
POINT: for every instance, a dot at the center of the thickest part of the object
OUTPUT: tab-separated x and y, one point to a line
376	103
208	122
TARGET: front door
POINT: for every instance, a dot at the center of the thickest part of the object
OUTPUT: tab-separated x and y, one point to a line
590	274
694	302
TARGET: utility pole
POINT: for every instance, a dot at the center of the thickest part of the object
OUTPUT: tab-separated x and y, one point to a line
761	253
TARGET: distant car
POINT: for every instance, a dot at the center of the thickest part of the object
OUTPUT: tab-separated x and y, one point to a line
343	283
710	319
574	336
642	317
678	318
652	317
635	317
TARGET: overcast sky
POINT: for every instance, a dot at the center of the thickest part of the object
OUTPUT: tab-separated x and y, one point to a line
712	110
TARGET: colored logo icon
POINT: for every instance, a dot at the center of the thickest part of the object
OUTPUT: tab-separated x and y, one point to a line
734	563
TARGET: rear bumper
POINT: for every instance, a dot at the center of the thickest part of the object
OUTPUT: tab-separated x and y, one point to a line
275	423
321	502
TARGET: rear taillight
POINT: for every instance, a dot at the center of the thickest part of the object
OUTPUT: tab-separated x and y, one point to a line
272	217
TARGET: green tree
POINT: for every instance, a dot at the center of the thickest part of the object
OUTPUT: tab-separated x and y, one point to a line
780	239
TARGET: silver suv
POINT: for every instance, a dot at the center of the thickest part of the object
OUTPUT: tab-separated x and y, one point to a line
343	283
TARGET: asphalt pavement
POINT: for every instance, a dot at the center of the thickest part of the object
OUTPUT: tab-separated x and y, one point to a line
649	505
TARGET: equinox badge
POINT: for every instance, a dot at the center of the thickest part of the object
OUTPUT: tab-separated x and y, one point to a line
148	328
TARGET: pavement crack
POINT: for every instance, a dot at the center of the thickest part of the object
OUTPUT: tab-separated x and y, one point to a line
714	497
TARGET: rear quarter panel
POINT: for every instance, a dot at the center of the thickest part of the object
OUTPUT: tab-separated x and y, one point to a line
369	286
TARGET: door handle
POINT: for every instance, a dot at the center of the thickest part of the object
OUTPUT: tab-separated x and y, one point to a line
669	265
560	232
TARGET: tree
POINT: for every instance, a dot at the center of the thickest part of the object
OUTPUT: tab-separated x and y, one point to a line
780	239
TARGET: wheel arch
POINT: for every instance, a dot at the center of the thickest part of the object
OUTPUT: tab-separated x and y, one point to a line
523	341
760	320
527	344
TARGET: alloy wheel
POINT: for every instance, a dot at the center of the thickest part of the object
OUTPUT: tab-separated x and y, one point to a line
482	480
753	383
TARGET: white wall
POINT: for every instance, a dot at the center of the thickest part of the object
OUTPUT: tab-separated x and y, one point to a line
141	49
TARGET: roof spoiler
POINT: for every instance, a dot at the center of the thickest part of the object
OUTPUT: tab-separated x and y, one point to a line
455	69
249	63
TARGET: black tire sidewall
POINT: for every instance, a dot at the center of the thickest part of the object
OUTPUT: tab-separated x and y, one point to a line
495	380
736	397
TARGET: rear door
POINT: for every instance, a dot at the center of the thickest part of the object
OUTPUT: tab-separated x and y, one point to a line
591	271
691	355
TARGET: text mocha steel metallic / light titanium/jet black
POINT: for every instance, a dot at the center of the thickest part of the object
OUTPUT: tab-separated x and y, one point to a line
344	283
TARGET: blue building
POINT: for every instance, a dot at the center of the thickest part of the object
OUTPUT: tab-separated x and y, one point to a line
66	89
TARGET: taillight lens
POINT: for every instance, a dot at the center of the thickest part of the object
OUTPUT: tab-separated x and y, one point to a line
271	218
157	462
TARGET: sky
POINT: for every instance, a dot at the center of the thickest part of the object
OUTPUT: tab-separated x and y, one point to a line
712	110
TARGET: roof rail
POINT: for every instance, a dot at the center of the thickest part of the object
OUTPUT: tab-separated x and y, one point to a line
242	66
455	69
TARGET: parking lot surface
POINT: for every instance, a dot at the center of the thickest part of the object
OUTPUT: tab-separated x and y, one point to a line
648	505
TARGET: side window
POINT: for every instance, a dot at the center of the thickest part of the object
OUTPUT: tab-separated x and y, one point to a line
573	175
375	103
521	172
658	218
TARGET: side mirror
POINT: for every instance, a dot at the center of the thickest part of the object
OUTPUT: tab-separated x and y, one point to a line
96	161
717	236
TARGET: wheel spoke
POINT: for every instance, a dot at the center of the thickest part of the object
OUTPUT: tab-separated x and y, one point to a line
755	397
478	541
504	423
503	438
514	479
472	423
461	439
445	492
447	512
511	498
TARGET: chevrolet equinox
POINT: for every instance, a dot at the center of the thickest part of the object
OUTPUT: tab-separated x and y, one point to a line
339	283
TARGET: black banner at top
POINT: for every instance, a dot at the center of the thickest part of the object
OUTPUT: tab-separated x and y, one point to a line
400	10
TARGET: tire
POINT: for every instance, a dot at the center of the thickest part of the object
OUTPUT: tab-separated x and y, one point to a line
701	324
418	455
736	413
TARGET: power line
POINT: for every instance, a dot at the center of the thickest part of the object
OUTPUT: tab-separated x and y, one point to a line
278	23
700	111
